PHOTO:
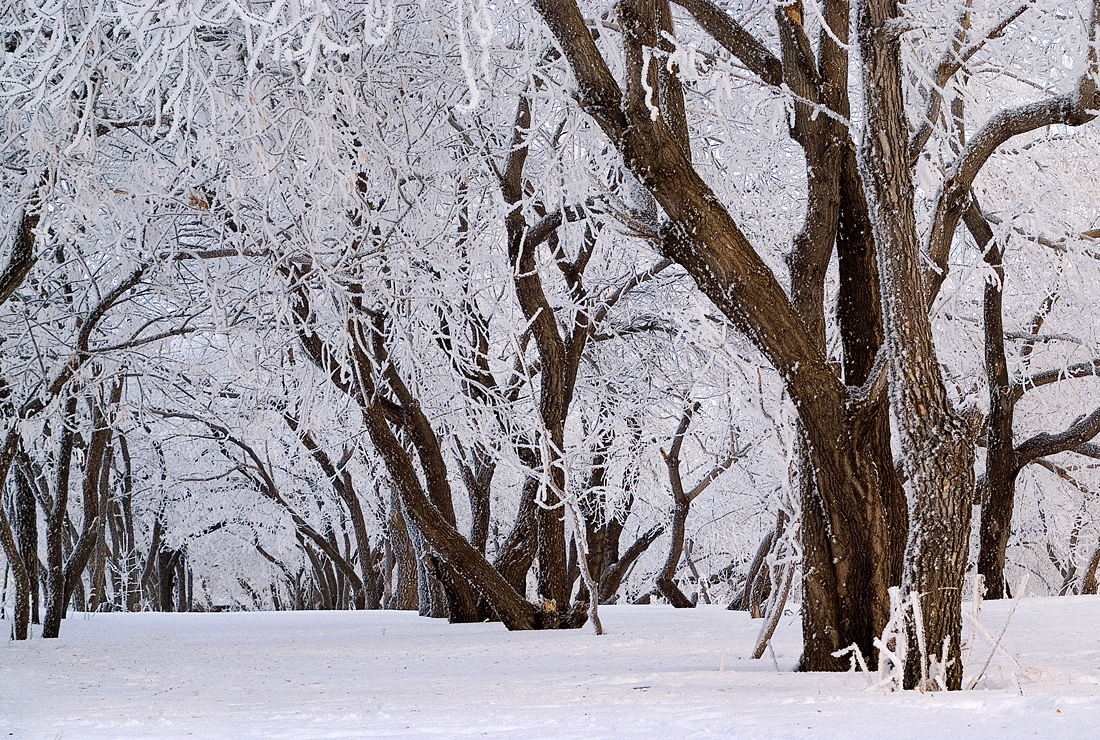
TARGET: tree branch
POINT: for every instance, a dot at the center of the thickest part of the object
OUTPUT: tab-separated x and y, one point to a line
1090	368
1074	108
951	62
1043	445
733	37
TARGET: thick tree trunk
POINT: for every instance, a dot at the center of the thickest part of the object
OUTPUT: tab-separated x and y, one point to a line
404	592
937	445
703	238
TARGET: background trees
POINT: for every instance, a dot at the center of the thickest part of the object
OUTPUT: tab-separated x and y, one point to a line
391	306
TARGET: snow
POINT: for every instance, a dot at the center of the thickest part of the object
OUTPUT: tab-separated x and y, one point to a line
657	673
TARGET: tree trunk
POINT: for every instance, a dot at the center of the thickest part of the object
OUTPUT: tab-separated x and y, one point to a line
1002	463
665	579
1088	584
26	534
131	560
937	446
702	237
404	595
681	505
56	597
20	572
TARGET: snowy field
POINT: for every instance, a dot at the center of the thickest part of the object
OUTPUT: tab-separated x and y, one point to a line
658	673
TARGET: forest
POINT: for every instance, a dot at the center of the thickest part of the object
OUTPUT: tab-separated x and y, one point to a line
503	310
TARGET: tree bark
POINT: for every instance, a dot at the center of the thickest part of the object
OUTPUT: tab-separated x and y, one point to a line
702	237
937	445
16	558
1002	463
56	596
404	594
681	505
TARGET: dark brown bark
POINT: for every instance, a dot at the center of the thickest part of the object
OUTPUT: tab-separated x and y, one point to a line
1002	463
703	238
613	575
742	44
461	601
26	525
937	445
166	584
131	570
23	256
96	486
56	597
681	505
12	550
430	521
404	593
1088	583
514	611
555	386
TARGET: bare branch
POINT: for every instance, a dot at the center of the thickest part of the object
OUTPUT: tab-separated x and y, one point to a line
1042	445
1090	368
951	62
733	37
1074	108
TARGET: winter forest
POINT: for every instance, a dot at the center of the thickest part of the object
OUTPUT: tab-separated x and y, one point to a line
504	310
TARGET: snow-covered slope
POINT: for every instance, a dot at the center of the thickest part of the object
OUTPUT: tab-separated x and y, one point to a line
657	673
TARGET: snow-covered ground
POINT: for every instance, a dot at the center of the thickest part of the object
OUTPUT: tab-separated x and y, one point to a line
657	673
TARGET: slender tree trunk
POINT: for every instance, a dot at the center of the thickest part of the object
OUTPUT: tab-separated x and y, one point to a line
20	572
1002	463
1088	583
681	505
26	533
132	571
56	597
665	579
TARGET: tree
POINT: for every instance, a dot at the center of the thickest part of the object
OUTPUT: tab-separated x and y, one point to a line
936	441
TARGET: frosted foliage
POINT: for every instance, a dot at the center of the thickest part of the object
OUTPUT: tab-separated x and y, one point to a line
280	170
